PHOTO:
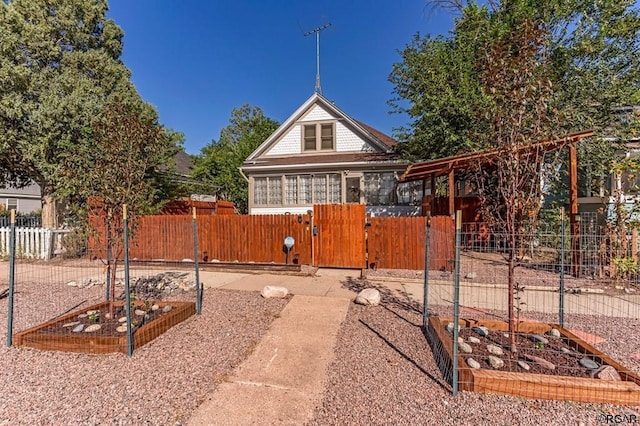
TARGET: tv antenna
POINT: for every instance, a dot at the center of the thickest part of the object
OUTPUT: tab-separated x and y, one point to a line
318	88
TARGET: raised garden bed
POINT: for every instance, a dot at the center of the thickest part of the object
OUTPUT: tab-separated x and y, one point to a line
568	384
58	334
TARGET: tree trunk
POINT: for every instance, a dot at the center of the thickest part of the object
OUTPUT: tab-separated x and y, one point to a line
49	207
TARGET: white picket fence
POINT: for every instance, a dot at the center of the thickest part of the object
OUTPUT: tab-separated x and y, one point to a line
32	243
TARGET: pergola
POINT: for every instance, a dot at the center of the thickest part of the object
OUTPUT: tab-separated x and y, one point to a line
428	171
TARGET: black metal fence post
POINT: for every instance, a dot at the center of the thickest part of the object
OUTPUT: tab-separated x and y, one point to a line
425	287
12	266
562	249
456	303
127	292
196	264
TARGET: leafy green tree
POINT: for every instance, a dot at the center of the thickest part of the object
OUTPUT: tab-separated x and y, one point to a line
59	63
593	54
129	146
217	165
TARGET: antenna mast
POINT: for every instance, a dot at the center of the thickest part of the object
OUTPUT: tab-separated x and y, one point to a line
318	88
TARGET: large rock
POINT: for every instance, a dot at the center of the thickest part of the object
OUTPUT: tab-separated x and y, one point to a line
495	362
541	362
368	297
606	372
274	292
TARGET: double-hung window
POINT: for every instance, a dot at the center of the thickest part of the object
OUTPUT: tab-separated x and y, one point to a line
318	137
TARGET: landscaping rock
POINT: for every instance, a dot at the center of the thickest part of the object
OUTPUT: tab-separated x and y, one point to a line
82	316
465	347
368	297
606	372
554	332
565	350
155	307
589	363
121	329
72	283
495	350
473	339
538	339
524	365
482	331
71	324
122	319
471	276
541	362
92	328
78	328
495	362
139	312
472	363
450	328
274	292
167	308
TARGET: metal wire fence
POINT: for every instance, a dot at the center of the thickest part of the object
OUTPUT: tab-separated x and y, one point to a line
556	316
93	296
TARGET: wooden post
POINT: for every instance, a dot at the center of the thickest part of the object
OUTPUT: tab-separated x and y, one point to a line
432	192
634	244
574	218
452	193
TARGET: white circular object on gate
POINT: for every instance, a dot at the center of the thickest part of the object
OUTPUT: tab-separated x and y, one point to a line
289	242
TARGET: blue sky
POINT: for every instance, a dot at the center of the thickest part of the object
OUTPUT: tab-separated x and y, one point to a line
196	60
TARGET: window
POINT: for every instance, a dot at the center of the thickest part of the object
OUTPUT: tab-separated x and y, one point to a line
305	189
318	137
335	189
379	188
410	193
326	136
291	190
353	190
320	189
260	191
12	204
310	137
275	190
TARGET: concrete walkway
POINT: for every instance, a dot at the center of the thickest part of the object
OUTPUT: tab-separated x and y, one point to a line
282	380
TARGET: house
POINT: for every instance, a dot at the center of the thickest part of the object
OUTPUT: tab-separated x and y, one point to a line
23	200
320	155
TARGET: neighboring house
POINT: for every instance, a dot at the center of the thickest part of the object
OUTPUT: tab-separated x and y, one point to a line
321	155
28	199
23	200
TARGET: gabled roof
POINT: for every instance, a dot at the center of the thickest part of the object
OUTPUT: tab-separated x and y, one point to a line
376	138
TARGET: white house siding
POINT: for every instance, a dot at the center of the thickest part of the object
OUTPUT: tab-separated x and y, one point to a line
347	141
289	144
318	113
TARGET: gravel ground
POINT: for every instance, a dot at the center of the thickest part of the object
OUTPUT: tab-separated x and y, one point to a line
161	384
384	373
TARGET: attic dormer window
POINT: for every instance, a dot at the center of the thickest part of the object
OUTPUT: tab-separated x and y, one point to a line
318	137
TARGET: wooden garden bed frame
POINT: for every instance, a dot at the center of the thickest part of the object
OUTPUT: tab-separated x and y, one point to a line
529	385
95	343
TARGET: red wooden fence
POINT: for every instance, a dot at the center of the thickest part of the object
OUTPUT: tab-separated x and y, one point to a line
340	242
391	242
398	242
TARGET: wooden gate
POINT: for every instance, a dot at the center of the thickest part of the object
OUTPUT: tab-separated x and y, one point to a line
340	240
